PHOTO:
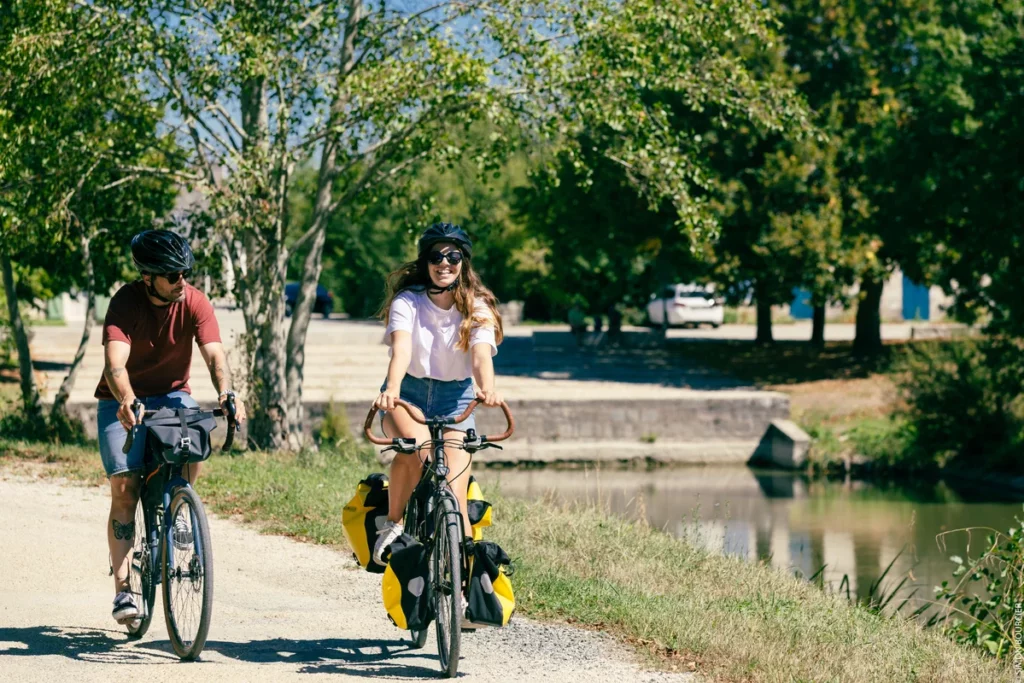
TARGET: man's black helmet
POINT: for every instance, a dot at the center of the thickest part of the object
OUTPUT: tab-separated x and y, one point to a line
446	232
161	251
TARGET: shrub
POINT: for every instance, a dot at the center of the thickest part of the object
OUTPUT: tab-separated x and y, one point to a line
983	608
962	403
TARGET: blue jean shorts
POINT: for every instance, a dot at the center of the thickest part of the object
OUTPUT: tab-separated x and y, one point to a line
113	435
438	399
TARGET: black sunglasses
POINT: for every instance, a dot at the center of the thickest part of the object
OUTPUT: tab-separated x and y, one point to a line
172	278
454	257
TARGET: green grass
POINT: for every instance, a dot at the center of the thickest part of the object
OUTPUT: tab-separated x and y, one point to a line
734	620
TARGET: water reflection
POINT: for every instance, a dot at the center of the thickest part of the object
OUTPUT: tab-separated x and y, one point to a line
853	529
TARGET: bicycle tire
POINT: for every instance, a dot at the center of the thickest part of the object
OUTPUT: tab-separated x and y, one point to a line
140	574
191	576
446	560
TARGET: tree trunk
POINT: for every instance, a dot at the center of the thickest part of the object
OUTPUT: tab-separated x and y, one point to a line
59	410
869	321
818	326
764	318
302	312
29	391
260	292
260	268
312	265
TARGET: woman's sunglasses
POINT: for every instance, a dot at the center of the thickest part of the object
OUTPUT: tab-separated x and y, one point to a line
172	278
454	257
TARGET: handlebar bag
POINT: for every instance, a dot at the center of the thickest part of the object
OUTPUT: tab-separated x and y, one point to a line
180	435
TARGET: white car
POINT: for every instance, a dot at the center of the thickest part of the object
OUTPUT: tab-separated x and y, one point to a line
685	305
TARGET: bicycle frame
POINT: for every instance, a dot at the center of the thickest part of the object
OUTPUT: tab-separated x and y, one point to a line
159	535
434	481
172	480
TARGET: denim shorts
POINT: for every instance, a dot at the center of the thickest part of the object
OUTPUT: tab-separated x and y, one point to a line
113	435
438	399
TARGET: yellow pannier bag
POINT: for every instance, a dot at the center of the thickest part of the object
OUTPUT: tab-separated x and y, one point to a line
480	510
363	516
405	588
491	600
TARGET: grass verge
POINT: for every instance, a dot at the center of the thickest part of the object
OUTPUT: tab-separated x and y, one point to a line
733	620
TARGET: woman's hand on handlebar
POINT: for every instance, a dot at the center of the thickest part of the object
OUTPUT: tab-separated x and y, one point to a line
491	399
386	401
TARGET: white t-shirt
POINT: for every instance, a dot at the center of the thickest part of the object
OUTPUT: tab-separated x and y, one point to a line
435	333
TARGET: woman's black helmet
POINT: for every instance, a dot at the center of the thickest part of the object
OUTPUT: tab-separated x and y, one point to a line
445	232
161	251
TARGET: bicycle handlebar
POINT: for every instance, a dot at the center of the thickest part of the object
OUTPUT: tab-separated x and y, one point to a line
141	414
417	415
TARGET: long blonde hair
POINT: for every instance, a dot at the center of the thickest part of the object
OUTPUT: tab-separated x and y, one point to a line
415	274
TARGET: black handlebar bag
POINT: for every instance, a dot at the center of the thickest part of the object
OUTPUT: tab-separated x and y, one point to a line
180	435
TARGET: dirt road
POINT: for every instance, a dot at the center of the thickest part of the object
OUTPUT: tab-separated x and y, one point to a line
282	611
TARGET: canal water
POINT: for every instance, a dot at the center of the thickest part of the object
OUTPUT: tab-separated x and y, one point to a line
852	528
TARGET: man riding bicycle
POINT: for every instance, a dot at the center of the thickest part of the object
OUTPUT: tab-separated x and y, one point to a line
147	337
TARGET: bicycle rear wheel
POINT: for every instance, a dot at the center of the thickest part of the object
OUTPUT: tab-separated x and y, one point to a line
446	562
140	574
187	574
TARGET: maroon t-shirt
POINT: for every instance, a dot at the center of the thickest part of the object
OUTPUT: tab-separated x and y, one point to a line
160	336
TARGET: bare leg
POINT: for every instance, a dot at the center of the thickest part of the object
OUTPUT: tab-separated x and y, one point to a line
191	472
406	469
124	497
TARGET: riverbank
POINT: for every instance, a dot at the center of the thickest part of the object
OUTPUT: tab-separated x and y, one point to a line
689	609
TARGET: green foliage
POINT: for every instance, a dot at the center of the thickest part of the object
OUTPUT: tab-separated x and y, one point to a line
59	429
335	430
983	606
962	402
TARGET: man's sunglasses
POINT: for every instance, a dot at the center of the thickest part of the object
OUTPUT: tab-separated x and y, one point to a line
172	278
454	257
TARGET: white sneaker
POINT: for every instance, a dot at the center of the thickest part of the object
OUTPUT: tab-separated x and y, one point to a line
182	534
385	537
125	609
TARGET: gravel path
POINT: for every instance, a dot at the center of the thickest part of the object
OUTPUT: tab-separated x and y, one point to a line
282	611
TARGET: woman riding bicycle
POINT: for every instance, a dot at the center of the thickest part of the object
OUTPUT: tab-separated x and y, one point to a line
443	328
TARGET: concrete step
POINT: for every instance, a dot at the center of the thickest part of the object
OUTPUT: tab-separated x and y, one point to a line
666	452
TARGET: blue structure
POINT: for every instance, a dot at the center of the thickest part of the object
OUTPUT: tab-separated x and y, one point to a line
801	308
916	304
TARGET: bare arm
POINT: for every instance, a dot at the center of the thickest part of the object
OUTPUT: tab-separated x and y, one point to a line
483	373
115	357
401	356
216	360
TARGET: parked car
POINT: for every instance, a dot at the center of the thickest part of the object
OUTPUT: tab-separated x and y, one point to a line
686	305
324	300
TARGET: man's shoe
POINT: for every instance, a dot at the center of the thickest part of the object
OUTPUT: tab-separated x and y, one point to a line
182	534
125	609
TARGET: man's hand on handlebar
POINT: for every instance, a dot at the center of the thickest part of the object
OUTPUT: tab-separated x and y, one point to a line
126	412
229	399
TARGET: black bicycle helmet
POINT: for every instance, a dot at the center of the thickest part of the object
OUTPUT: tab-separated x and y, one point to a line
161	251
446	232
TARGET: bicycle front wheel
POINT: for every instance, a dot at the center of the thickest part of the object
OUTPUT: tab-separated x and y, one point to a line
187	574
140	574
446	561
